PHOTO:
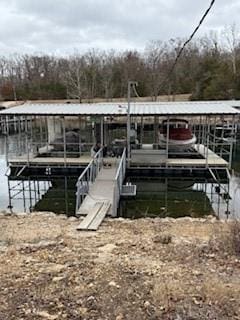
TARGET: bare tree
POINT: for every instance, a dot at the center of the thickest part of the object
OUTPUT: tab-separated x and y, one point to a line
231	35
74	78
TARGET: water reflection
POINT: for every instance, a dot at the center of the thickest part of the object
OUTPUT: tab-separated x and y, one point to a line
174	198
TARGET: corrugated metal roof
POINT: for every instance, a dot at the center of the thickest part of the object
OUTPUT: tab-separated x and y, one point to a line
136	108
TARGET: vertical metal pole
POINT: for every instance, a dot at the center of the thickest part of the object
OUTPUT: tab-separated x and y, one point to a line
66	194
30	195
35	138
14	124
19	136
128	122
199	132
166	198
155	129
167	141
102	132
26	139
38	190
207	136
24	197
214	134
205	196
79	136
46	134
41	131
231	143
203	135
222	141
31	134
10	206
64	142
227	200
6	140
141	131
35	191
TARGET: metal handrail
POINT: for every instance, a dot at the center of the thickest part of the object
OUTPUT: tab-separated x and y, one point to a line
118	182
87	177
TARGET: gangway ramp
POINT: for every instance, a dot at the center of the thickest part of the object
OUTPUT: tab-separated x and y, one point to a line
102	190
99	190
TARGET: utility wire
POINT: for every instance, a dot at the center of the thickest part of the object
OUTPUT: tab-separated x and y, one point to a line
186	42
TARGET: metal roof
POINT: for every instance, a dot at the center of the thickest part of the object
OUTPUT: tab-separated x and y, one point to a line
136	108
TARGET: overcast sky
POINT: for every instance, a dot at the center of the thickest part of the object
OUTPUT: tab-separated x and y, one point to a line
62	26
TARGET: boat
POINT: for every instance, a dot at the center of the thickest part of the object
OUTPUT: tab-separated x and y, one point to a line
180	137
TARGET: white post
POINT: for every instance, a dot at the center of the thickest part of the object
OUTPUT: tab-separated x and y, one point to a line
128	122
130	83
64	142
231	143
167	141
102	131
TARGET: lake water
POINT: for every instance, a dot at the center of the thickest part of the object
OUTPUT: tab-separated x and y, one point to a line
155	197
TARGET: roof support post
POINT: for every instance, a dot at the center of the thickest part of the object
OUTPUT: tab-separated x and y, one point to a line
214	134
207	136
128	123
155	129
41	132
130	84
64	142
141	130
102	131
26	138
6	138
19	137
167	141
79	137
231	142
31	134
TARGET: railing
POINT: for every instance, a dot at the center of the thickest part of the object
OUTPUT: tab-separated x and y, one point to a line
119	179
87	178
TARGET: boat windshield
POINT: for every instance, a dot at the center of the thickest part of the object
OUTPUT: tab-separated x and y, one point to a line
174	125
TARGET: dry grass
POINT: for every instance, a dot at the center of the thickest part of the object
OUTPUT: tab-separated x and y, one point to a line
167	292
216	292
235	233
124	271
226	239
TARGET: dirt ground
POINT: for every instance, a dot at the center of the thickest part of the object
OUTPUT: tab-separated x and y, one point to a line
129	269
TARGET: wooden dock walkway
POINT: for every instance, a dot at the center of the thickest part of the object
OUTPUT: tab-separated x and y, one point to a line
95	217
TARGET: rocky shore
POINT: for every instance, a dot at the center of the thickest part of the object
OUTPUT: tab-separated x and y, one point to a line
130	269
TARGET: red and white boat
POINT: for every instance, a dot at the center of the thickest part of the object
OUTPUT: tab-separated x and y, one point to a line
180	135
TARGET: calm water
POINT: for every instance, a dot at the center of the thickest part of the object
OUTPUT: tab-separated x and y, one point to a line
155	197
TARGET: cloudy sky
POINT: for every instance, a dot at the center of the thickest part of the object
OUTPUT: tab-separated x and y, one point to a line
62	26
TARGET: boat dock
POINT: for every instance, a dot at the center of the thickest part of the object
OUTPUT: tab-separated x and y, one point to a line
55	137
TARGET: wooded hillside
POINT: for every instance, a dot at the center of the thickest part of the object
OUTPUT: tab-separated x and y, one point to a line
208	69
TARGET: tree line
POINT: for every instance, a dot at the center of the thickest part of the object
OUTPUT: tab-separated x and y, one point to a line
209	69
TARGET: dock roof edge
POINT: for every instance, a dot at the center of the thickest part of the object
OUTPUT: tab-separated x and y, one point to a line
185	108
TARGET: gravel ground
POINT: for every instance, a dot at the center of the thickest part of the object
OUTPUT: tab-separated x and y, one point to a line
130	269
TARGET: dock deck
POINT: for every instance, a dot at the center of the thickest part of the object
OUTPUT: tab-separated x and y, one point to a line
156	158
80	161
139	158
